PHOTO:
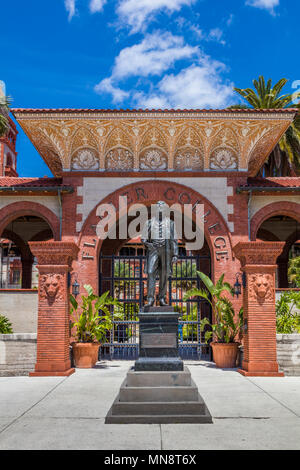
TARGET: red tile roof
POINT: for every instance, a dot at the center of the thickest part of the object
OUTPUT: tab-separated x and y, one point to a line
87	110
279	182
27	183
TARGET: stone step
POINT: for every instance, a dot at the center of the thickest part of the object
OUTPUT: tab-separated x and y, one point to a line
159	408
158	394
166	419
159	364
159	379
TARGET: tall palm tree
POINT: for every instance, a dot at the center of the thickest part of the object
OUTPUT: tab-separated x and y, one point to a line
267	97
4	110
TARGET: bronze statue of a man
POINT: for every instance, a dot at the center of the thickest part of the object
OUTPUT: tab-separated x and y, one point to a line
159	238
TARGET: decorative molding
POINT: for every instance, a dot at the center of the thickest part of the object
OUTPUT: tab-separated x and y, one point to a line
223	159
153	159
155	140
258	253
85	159
54	253
119	159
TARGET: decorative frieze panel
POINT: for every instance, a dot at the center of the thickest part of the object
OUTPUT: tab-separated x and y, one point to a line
153	159
223	158
188	159
222	140
85	159
119	159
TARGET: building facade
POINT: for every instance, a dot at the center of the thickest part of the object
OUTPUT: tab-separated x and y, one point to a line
179	156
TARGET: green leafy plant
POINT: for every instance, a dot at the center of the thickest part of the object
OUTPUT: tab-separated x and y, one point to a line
94	319
287	313
294	271
227	327
5	326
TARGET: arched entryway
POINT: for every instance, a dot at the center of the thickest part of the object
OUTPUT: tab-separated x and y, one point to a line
279	222
20	224
122	274
110	260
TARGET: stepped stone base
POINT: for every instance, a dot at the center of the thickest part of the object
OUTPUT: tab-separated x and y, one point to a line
154	397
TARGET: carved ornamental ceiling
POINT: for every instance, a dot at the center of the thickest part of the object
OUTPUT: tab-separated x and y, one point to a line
99	140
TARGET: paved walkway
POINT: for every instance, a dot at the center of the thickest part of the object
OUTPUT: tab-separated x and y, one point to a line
68	413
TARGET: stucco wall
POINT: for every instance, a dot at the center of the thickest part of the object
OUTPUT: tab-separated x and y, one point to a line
17	354
51	202
21	308
288	353
258	202
94	190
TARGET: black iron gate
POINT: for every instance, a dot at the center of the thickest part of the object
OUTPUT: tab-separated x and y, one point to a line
124	277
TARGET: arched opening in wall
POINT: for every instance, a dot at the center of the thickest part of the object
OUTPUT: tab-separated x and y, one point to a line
17	264
286	229
122	273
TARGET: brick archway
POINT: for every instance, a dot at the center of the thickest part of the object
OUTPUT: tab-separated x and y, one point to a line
17	209
289	209
216	231
26	257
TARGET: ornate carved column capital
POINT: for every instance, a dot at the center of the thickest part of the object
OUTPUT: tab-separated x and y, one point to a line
54	252
258	253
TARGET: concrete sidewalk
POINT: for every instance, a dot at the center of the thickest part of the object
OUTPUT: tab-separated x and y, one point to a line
68	413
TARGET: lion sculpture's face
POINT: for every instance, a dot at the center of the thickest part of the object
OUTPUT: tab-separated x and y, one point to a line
52	285
262	285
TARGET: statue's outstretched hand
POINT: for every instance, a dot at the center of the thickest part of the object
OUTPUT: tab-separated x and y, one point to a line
174	259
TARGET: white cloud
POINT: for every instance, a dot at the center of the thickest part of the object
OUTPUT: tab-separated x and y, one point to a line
70	7
197	86
264	4
216	34
106	86
138	13
97	5
155	54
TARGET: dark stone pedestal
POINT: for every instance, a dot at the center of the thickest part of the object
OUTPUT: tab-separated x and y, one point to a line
159	340
158	389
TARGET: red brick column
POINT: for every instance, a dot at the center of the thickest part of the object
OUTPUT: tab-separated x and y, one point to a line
54	264
258	261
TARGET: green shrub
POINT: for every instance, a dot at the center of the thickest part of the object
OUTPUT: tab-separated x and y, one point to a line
5	326
287	313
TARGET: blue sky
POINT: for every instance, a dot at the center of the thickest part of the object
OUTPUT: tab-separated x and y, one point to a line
141	54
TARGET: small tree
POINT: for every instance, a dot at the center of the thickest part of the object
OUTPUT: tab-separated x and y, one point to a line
94	319
226	327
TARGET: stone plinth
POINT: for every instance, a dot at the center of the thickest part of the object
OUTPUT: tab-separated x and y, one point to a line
158	389
158	340
157	397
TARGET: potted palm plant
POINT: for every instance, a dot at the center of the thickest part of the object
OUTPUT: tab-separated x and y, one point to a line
226	327
93	322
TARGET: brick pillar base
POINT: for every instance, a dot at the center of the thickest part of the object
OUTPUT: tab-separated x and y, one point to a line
258	261
54	264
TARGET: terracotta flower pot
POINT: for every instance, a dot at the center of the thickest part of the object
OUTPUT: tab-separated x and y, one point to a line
225	354
85	354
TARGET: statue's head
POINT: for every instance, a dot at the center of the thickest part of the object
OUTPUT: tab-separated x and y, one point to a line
161	207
